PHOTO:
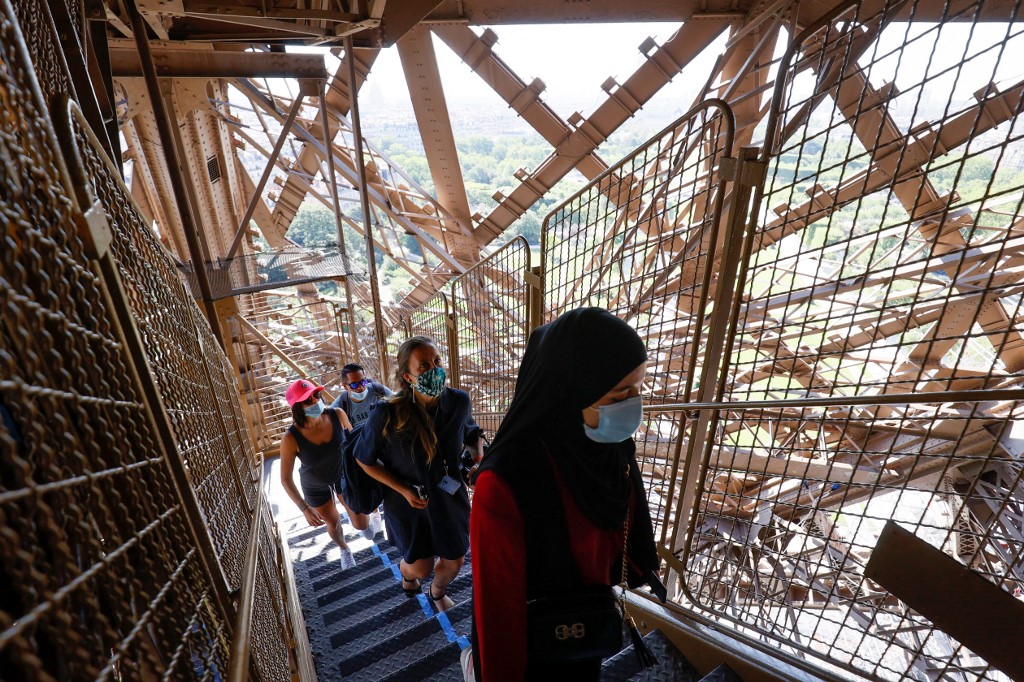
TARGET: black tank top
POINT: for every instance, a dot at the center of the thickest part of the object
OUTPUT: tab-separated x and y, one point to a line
320	462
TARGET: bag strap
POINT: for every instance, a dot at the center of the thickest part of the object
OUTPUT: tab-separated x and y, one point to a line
625	553
644	656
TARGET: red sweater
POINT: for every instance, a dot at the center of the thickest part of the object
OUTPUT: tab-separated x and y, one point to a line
499	571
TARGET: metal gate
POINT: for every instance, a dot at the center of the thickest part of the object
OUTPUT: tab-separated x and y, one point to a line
480	322
491	321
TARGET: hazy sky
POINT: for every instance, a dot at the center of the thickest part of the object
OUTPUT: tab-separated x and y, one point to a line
573	61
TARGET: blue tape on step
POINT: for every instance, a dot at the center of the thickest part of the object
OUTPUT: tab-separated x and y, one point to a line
449	631
446	625
380	555
396	572
425	605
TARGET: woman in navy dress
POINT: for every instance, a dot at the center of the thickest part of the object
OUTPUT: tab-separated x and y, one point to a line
413	444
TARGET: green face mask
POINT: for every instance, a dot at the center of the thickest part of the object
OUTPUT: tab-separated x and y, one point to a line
431	382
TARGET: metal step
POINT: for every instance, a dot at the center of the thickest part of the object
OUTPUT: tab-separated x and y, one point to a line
671	665
360	623
722	673
389	655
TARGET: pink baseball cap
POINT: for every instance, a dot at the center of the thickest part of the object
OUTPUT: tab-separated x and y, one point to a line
300	390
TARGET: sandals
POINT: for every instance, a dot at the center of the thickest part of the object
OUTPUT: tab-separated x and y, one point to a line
439	601
411	591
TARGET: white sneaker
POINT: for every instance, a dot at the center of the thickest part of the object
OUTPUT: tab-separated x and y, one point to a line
376	523
466	662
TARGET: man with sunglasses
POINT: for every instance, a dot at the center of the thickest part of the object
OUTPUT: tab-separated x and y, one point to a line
361	394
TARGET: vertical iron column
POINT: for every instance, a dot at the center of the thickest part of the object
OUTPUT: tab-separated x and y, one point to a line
745	172
364	202
338	223
173	168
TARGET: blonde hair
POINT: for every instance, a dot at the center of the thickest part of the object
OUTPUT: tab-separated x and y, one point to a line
406	413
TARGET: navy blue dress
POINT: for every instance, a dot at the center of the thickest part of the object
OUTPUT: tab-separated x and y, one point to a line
442	529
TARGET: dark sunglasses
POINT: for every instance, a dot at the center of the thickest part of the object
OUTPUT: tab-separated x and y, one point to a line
355	385
311	399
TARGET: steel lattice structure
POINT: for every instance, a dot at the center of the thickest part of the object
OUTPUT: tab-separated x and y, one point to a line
823	256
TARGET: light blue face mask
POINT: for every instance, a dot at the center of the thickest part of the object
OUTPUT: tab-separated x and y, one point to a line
359	396
616	422
314	410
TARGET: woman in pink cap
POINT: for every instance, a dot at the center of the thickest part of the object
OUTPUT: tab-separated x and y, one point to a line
316	438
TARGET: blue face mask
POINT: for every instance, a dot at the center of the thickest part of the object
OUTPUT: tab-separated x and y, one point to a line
616	422
358	396
314	410
431	382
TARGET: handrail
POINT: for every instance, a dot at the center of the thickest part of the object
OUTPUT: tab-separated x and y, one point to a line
932	397
240	638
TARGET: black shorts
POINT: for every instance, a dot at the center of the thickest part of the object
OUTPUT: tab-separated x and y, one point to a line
317	494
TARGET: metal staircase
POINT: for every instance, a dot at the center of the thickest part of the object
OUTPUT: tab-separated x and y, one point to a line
362	626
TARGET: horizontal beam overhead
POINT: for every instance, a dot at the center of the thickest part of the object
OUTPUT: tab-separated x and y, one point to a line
190	63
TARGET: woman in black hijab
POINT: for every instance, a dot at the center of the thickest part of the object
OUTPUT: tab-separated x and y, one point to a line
555	488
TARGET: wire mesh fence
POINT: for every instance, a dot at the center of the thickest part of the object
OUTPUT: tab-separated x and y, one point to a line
479	323
378	369
873	360
177	341
129	475
433	319
269	649
874	372
101	572
279	339
491	324
641	241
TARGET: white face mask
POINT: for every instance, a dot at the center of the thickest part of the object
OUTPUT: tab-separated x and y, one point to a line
359	396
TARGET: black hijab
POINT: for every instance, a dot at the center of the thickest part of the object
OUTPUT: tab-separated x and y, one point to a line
568	365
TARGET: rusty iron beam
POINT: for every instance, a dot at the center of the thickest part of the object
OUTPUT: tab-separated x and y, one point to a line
187	63
399	18
524	98
165	128
419	61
